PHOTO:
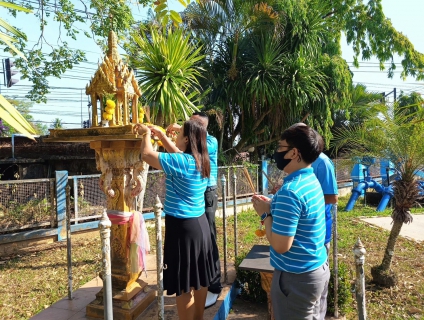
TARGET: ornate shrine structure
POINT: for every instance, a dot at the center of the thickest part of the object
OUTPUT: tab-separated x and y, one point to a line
124	174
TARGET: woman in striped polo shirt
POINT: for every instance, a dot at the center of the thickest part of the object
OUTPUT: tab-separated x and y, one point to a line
295	227
188	260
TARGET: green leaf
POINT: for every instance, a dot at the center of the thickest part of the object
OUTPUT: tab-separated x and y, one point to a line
14	6
4	36
160	7
165	20
11	29
14	118
5	39
175	16
183	2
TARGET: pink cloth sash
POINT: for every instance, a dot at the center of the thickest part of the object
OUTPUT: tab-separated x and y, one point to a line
138	244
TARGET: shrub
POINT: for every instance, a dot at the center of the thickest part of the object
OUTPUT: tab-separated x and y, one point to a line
249	283
344	294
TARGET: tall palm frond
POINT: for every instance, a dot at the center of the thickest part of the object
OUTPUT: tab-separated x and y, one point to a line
5	37
8	111
168	74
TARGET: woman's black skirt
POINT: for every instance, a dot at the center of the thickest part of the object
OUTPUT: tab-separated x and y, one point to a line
187	255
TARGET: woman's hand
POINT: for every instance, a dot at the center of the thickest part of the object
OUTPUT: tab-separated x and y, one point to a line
157	132
141	129
175	127
261	204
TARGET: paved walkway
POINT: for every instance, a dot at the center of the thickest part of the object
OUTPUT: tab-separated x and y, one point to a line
414	230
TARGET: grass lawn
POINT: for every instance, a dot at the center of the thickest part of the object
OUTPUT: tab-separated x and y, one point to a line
33	280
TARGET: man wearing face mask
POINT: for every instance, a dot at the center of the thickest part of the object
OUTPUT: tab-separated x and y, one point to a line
295	228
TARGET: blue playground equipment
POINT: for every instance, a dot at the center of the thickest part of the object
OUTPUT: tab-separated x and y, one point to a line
362	180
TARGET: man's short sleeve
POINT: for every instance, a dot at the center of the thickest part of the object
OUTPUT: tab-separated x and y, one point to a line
324	171
212	144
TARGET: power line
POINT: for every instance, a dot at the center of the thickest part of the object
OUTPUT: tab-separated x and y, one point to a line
39	121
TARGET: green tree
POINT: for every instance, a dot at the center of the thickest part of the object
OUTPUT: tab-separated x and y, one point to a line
361	108
168	72
249	44
56	124
409	104
91	19
24	108
267	69
395	139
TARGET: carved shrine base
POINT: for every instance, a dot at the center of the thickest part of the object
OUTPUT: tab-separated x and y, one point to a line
123	309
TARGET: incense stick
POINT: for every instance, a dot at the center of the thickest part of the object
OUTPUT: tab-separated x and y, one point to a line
269	180
246	173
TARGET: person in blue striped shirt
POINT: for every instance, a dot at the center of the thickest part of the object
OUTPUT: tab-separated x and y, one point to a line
211	203
188	247
295	227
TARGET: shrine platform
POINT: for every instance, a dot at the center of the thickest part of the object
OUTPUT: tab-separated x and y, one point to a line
74	309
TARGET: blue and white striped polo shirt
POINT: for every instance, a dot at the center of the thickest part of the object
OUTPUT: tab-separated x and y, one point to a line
185	187
213	155
324	171
298	210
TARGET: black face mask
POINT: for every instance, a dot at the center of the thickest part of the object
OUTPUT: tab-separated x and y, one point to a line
279	159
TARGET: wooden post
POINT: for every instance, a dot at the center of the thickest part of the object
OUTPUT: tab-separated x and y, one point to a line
125	110
135	109
117	161
94	117
266	280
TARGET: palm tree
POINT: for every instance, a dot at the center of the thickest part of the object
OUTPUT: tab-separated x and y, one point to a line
56	124
395	138
267	69
168	72
360	109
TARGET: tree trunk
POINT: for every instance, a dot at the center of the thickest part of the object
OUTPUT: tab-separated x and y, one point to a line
390	248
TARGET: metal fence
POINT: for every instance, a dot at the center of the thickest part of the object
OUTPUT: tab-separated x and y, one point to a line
156	184
343	168
87	200
27	204
31	204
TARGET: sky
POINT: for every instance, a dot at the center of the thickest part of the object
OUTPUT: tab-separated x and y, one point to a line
68	101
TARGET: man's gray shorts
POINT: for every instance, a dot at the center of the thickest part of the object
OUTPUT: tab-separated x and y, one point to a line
297	296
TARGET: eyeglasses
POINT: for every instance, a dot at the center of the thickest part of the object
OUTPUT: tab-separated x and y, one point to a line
288	147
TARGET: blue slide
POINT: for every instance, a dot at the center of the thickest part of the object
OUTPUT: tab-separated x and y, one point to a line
361	176
362	186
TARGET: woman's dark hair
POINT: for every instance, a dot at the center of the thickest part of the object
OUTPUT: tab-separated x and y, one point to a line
197	146
309	142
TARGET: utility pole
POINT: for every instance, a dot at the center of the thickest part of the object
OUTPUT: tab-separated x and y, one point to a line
384	95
